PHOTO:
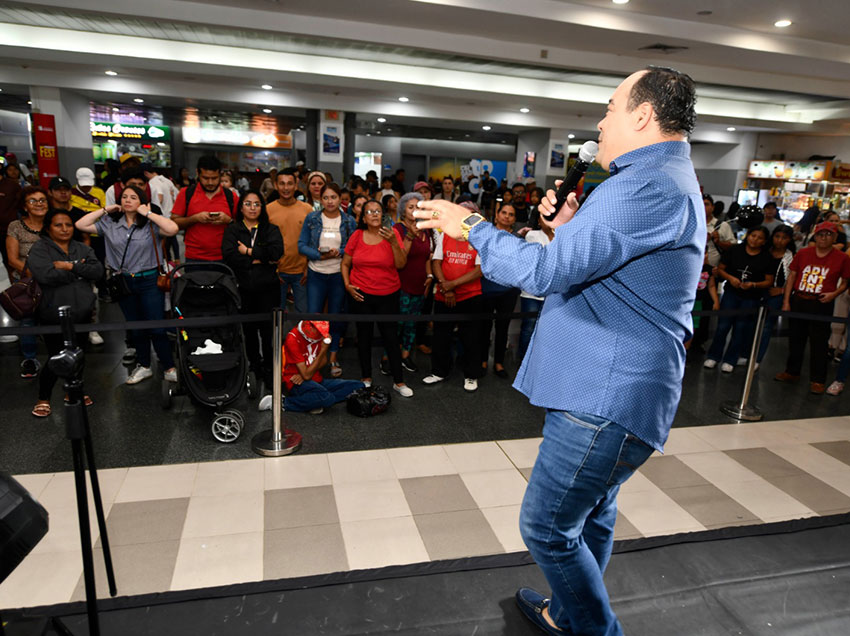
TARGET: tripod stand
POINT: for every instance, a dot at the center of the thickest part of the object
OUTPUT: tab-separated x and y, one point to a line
68	364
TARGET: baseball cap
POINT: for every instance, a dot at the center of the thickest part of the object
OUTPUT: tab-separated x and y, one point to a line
59	182
421	184
826	226
85	177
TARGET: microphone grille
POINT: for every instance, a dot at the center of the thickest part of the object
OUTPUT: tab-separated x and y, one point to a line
588	150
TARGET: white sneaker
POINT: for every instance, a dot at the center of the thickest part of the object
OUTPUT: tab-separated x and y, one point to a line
367	383
432	379
138	374
403	390
742	362
470	384
709	363
726	367
95	338
170	375
265	403
317	411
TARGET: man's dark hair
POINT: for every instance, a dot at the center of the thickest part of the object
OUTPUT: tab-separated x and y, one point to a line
358	181
209	162
291	172
672	95
708	197
770	204
387	178
133	173
371	173
518	183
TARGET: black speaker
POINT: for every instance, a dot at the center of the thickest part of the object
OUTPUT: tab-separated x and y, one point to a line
23	523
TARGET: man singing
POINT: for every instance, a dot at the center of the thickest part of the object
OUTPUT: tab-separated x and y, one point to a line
607	356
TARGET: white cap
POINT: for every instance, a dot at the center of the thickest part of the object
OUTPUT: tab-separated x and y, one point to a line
85	177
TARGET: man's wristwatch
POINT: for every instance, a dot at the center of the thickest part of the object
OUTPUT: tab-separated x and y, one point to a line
468	223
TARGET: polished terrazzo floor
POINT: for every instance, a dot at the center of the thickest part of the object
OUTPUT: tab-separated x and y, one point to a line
197	525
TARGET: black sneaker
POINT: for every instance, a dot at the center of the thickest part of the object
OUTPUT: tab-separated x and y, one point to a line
385	367
409	364
29	369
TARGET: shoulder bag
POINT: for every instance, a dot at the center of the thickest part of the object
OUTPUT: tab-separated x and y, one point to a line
163	278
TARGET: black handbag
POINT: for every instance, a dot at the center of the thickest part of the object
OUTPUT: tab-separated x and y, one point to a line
115	286
368	401
21	299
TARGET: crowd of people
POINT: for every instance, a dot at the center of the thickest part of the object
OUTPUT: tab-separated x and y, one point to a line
302	240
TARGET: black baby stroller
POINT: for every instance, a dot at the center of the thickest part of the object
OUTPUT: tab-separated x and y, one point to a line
211	364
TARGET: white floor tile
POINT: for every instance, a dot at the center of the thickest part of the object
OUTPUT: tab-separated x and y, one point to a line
34	483
684	440
717	467
42	579
494	488
228	514
364	500
382	542
652	512
522	452
814	461
61	489
63	535
478	456
221	560
356	466
735	436
158	482
505	523
420	461
229	477
297	471
636	483
764	500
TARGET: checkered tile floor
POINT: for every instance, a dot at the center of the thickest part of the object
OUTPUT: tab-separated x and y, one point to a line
201	525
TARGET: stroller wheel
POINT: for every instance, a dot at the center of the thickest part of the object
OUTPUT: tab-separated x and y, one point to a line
227	426
166	394
253	385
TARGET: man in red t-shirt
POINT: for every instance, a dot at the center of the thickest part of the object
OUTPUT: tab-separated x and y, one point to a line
812	287
207	214
457	268
305	351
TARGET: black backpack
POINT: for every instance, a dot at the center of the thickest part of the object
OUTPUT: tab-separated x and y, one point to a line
190	192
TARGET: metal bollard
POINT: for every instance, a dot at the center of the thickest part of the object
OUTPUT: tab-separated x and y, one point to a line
277	441
741	410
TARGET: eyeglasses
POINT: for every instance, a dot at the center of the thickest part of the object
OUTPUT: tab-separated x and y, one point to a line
372	211
252	204
37	201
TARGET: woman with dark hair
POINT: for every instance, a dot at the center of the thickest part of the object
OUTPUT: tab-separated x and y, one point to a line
184	179
132	236
65	270
252	247
748	270
390	205
324	236
803	227
356	208
315	184
20	238
782	250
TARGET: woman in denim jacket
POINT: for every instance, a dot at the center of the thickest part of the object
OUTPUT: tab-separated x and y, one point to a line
323	239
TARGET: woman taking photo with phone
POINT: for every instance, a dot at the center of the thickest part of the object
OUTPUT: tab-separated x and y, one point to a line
132	236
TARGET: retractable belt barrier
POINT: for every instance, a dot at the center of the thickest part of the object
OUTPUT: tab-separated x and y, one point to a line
215	321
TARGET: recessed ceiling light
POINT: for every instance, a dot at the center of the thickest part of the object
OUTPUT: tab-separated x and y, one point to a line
266	87
485	127
389	129
382	120
115	109
267	110
29	102
139	100
467	135
131	114
111	73
782	23
504	142
620	1
451	137
368	134
571	136
379	132
404	99
524	110
731	129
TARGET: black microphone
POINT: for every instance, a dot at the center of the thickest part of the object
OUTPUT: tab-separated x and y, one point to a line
67	321
586	155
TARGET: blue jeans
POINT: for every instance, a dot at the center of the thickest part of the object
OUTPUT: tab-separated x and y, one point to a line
568	514
311	395
322	287
773	304
299	291
743	328
29	344
146	302
526	329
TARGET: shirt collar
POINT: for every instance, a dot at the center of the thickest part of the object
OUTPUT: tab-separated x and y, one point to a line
664	148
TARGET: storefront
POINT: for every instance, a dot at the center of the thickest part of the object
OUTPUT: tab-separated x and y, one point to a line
150	143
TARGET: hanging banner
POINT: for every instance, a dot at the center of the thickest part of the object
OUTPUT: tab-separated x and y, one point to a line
44	129
331	140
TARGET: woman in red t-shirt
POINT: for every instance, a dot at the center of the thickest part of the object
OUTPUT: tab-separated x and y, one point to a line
370	267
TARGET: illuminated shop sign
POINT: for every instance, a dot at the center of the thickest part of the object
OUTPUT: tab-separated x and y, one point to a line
112	130
229	137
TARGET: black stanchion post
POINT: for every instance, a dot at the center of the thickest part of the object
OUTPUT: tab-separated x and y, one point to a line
277	441
742	411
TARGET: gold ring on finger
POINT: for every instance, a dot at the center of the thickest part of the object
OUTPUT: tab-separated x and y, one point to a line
435	214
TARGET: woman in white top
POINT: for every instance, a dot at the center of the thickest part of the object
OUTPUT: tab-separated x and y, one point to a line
527	302
323	238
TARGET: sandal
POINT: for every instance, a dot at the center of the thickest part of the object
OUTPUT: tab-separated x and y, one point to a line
86	400
336	370
41	409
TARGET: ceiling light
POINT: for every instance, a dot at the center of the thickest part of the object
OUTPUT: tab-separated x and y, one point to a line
571	136
389	129
266	87
382	120
29	102
267	110
139	100
131	114
368	134
379	132
524	110
782	23
485	127
111	73
451	137
620	1
467	135
115	109
731	129
404	99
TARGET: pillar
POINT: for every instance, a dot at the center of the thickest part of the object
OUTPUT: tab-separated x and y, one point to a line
73	131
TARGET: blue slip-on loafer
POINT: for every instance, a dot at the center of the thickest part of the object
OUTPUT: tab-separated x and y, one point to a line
532	604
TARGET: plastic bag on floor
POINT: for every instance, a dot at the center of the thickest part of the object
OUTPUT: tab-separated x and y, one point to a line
368	401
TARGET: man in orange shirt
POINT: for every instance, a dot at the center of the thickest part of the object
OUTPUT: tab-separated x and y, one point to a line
288	214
